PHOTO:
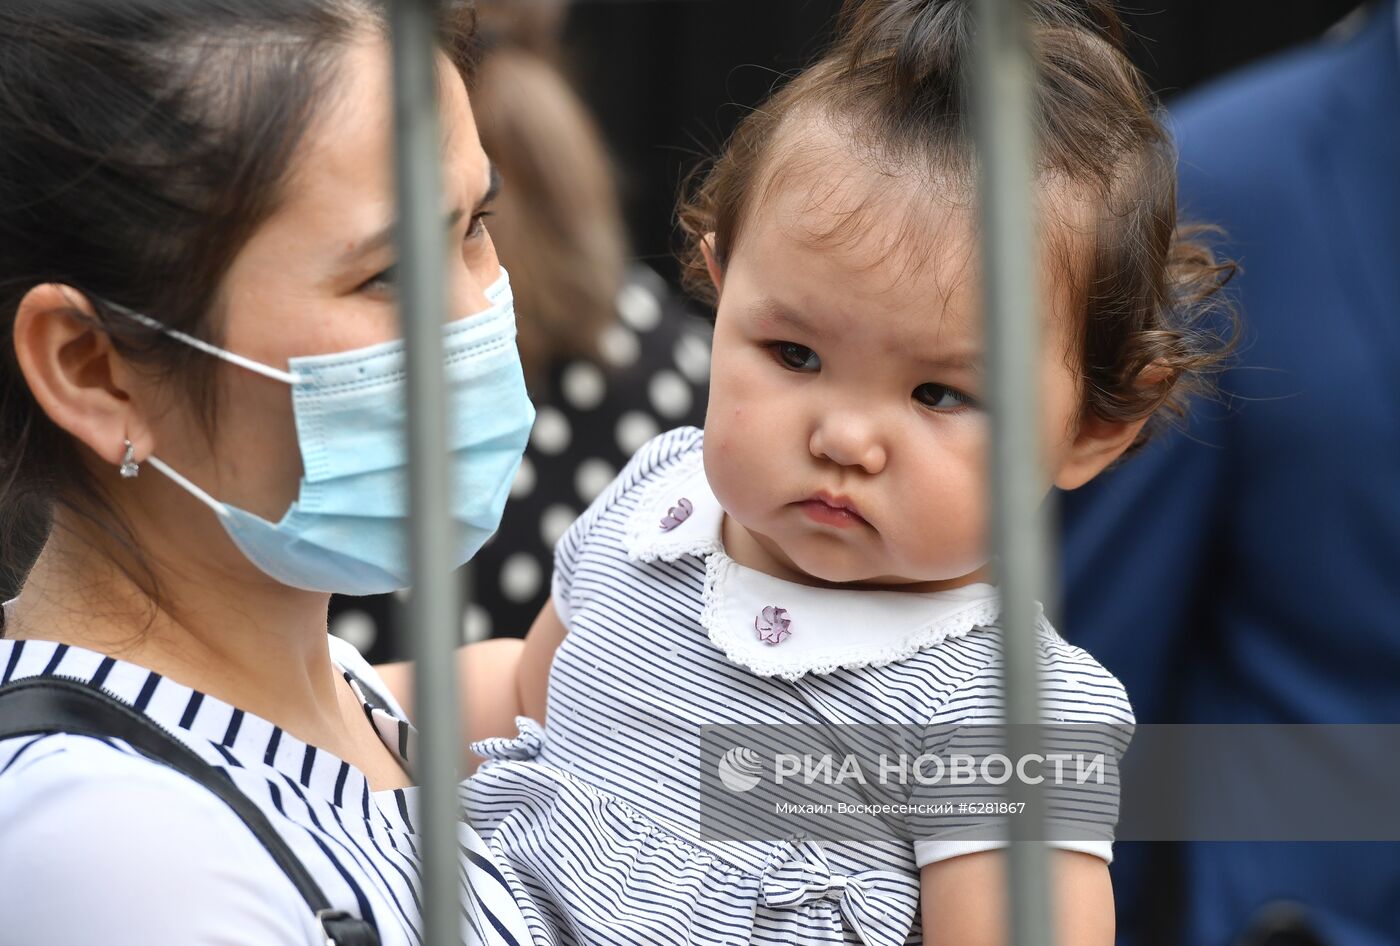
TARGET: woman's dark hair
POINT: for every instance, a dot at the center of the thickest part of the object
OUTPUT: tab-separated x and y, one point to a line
895	86
142	143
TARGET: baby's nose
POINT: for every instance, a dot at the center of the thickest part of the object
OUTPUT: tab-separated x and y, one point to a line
849	439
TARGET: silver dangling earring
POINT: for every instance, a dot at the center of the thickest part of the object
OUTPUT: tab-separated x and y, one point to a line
129	467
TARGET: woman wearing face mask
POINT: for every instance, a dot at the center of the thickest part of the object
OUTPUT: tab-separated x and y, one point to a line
202	436
611	356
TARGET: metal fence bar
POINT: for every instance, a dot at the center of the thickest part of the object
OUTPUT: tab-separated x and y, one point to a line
1006	146
433	607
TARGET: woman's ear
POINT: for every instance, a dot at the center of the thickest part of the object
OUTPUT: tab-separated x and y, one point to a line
73	371
707	248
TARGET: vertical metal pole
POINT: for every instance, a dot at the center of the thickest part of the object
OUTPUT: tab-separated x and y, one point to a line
1002	80
433	609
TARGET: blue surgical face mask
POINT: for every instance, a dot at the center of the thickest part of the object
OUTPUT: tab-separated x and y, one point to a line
347	532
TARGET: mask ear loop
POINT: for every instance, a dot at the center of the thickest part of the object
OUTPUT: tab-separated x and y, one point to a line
190	488
257	367
267	371
130	468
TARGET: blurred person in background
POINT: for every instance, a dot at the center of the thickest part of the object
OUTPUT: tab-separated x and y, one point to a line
1276	517
611	357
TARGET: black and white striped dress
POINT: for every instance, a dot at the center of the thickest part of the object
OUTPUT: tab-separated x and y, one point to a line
100	845
596	818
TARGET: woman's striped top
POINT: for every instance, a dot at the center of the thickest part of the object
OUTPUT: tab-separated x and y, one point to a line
101	845
597	818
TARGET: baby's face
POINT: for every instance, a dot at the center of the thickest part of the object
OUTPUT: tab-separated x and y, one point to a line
846	436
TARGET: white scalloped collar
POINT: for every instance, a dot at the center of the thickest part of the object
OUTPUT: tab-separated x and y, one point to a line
830	628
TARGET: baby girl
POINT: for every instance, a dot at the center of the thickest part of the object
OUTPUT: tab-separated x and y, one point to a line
818	554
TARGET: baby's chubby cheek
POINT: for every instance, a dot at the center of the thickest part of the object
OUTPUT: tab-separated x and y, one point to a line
944	531
727	467
735	449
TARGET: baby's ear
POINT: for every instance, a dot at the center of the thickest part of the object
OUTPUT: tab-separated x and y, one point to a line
1099	442
707	249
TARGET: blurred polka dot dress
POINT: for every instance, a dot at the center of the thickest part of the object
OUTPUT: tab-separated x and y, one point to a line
652	376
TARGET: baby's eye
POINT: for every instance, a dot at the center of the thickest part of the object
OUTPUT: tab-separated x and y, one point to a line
797	357
939	397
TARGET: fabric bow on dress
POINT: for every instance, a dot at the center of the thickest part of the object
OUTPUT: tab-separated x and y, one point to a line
522	747
877	905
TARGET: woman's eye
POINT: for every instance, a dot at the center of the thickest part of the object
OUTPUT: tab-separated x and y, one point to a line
478	225
797	357
939	397
387	280
384	281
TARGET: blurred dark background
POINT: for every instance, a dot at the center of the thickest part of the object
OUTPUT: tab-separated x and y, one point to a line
668	79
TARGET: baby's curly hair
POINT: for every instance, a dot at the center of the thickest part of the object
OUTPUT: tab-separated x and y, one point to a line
894	84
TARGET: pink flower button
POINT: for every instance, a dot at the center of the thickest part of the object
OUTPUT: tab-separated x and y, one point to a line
677	514
773	625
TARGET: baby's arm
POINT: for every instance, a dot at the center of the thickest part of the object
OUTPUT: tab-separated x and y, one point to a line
964	900
532	679
498	680
964	895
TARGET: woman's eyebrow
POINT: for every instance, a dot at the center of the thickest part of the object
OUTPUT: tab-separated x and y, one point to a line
383	237
493	187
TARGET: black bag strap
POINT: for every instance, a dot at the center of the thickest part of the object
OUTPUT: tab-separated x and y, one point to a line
43	705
